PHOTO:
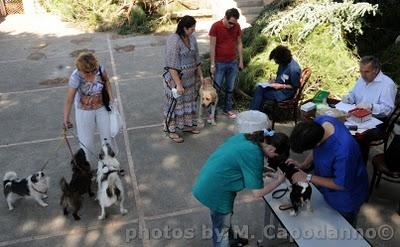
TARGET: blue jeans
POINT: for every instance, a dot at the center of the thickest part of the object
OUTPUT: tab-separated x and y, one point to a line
220	225
228	72
262	94
351	217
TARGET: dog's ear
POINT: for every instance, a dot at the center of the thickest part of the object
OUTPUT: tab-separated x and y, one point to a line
214	97
110	151
101	155
34	178
80	156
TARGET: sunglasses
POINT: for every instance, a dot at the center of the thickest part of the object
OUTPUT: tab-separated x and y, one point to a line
231	23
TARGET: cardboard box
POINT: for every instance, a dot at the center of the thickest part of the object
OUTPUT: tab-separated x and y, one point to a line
360	115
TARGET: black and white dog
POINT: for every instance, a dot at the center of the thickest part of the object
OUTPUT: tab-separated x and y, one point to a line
300	193
80	184
110	189
34	186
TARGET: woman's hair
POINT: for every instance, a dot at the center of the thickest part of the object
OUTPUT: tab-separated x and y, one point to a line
186	21
86	61
279	140
305	136
281	54
281	143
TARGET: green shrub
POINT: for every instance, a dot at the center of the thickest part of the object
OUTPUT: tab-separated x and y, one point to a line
104	15
138	22
89	14
314	32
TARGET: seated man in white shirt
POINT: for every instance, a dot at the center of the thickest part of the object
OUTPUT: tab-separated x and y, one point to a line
374	91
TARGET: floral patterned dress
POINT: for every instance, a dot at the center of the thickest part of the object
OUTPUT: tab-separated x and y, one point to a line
184	59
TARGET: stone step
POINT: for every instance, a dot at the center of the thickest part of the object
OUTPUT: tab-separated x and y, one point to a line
199	13
251	10
251	18
249	3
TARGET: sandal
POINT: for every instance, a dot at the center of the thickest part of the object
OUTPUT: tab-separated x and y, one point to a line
175	137
192	131
230	114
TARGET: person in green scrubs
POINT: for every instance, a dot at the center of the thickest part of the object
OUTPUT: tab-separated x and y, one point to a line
235	165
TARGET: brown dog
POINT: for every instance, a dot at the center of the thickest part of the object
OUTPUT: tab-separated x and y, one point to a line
208	98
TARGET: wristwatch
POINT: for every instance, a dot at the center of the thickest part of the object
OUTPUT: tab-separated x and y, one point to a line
309	177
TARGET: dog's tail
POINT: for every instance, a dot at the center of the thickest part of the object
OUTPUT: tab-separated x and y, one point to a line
64	185
9	177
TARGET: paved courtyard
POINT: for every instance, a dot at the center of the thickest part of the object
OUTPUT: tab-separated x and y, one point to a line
36	58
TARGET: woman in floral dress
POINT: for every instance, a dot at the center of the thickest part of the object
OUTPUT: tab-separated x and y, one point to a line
183	70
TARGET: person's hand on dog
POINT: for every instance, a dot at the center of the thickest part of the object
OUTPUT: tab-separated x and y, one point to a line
299	176
280	176
180	89
294	162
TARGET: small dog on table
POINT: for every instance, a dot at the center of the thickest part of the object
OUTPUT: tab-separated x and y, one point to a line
80	184
208	99
300	193
34	186
110	190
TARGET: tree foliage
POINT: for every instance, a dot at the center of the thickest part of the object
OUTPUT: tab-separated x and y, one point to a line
341	18
315	33
126	16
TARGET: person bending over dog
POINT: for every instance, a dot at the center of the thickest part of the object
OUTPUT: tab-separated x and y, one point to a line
237	164
339	168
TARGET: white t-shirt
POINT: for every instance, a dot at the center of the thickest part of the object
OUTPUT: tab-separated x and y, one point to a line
85	88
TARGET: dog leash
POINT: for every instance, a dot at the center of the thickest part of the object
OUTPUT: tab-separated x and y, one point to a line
120	172
51	154
172	106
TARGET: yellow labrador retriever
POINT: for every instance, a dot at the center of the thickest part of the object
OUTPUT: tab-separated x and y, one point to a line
208	99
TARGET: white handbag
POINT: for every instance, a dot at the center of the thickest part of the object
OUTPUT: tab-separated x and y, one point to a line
115	120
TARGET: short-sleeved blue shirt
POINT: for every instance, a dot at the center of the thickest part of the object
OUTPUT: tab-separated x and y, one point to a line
339	157
235	165
289	74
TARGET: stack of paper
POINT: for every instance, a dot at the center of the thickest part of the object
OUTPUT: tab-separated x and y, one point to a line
344	106
264	84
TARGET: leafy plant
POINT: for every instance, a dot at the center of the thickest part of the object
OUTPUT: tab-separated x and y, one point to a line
314	32
342	18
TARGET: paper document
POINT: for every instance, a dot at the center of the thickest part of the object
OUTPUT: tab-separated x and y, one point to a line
264	84
344	106
370	124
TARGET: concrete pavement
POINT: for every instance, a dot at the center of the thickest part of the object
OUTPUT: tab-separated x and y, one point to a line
36	59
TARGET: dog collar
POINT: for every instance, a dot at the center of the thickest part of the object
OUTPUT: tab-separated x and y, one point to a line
38	191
